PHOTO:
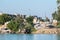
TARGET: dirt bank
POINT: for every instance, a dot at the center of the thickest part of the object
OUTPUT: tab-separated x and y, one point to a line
48	31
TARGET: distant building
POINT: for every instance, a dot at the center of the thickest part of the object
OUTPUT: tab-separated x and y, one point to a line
36	22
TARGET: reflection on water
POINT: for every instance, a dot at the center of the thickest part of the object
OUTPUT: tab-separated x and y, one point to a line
29	37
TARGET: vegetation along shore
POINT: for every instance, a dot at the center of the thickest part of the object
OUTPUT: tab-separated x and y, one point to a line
10	23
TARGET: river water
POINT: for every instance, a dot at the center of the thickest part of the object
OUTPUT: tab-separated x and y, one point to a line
29	37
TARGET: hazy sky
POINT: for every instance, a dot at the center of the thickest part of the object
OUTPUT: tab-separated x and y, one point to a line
29	7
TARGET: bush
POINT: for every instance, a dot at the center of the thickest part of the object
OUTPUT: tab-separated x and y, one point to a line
5	17
58	26
29	28
13	26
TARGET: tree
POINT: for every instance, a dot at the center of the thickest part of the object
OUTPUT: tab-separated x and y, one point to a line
16	24
20	20
29	29
13	26
56	14
1	20
30	20
58	1
5	17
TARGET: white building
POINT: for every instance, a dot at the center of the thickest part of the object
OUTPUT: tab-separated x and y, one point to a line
40	24
35	20
36	23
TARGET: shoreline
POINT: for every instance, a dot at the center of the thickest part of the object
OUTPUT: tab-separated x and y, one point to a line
41	31
48	31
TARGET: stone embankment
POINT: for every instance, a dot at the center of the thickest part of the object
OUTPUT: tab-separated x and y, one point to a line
48	31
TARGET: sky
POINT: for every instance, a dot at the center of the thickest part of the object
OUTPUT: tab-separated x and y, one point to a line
41	8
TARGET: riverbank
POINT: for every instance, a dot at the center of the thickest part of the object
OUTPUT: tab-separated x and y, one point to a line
40	31
47	31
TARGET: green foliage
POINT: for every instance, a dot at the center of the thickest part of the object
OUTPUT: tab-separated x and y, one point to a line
58	1
1	20
29	26
58	26
14	26
30	20
20	20
30	23
4	18
56	15
18	23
